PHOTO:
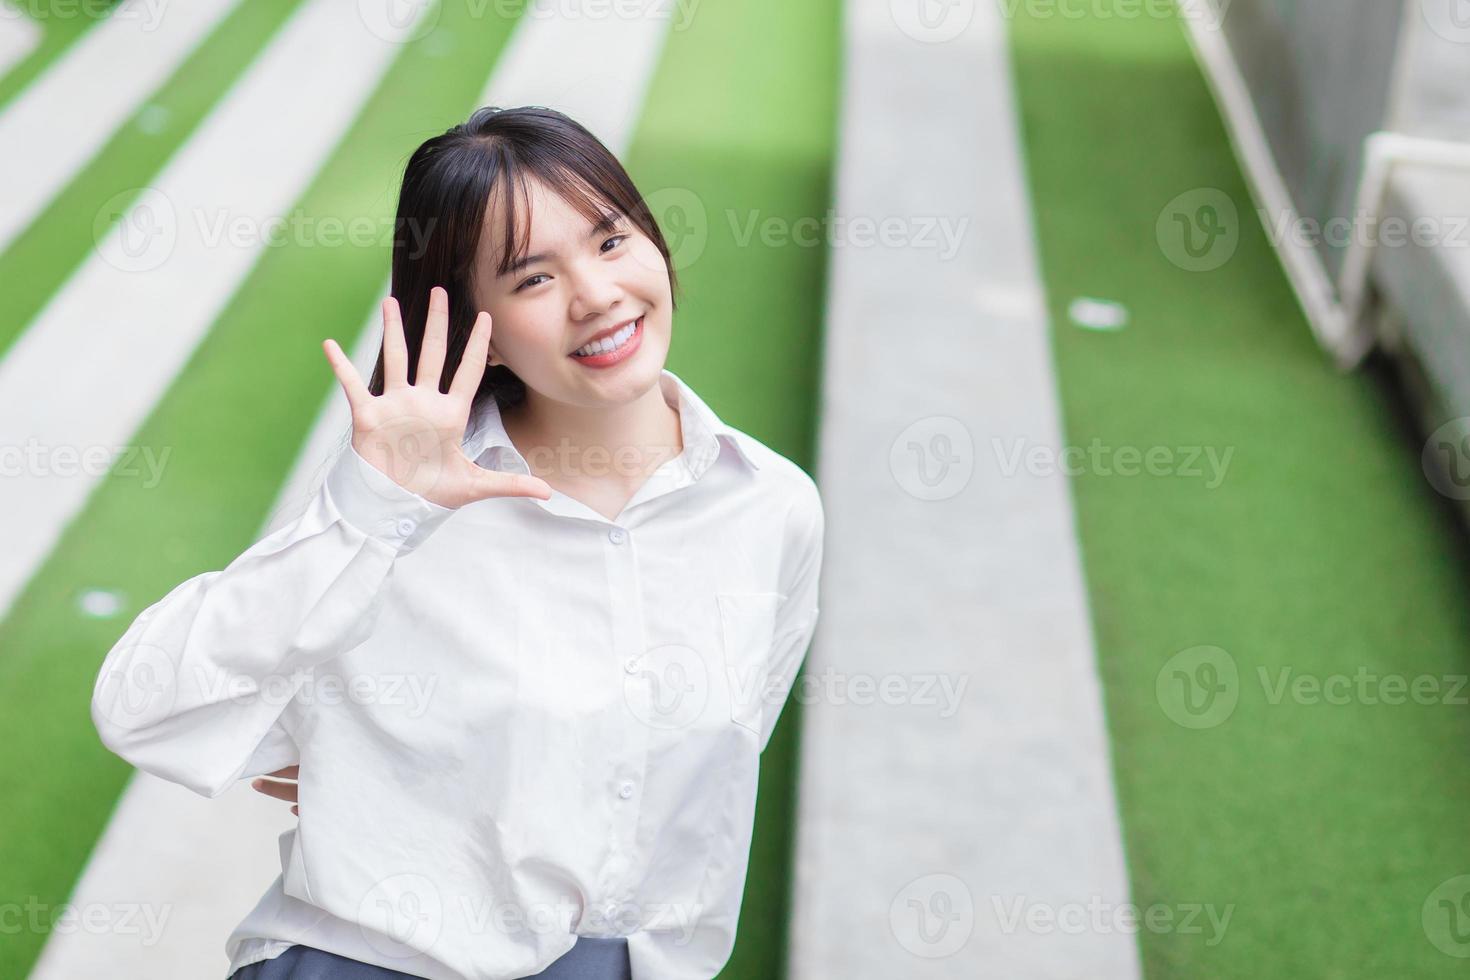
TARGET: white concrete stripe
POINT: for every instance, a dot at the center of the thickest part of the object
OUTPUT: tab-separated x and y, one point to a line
926	813
94	362
151	851
59	122
19	36
159	920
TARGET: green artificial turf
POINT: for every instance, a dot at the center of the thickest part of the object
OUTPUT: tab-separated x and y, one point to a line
64	235
1322	827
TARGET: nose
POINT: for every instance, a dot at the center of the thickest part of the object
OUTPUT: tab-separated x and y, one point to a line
594	290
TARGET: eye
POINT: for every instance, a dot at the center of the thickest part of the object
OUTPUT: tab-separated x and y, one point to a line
531	281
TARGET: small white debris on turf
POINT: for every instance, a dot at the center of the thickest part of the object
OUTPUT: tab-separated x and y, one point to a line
100	603
1097	314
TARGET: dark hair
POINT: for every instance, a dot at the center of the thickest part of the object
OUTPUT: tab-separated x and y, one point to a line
446	189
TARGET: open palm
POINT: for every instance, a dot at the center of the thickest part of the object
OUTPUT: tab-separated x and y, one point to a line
412	432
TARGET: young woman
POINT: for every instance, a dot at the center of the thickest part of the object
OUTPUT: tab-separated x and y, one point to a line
526	643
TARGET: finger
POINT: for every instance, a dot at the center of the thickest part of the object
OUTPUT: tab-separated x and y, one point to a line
431	352
352	386
281	791
472	365
495	483
290	772
395	349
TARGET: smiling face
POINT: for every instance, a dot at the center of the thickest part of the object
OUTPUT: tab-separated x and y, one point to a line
575	281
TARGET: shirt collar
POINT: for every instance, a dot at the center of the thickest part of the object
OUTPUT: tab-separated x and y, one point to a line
704	432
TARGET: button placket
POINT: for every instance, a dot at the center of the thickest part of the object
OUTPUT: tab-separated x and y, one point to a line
627	765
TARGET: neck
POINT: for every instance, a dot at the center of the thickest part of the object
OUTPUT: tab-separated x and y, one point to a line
618	443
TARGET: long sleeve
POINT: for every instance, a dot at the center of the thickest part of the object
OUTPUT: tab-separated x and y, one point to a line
796	619
194	689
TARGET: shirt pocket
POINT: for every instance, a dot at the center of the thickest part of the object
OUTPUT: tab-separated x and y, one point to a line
747	629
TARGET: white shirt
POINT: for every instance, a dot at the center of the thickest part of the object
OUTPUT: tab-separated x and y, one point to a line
517	721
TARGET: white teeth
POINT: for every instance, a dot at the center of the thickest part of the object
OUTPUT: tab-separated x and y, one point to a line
608	343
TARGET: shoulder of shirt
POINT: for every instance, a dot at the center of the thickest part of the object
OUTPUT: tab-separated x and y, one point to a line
780	473
797	498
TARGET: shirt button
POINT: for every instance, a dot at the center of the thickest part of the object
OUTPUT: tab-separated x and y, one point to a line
616	535
406	526
625	790
631	665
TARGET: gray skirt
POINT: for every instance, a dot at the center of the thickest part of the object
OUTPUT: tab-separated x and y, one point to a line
592	958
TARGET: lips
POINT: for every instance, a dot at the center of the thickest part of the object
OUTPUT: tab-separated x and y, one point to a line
603	334
620	335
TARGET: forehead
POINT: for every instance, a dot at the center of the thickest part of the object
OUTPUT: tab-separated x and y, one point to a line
542	216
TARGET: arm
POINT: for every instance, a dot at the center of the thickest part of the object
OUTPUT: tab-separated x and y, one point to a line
796	619
193	690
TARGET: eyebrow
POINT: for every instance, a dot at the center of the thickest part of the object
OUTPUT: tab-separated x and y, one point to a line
607	223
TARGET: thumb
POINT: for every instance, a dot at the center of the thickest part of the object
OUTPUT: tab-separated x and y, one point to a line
485	484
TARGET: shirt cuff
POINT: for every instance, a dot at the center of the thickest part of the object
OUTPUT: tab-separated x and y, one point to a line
369	500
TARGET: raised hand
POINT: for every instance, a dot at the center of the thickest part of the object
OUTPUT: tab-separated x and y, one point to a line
412	432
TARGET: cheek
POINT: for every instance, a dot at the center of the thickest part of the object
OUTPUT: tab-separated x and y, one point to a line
513	335
652	267
542	334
